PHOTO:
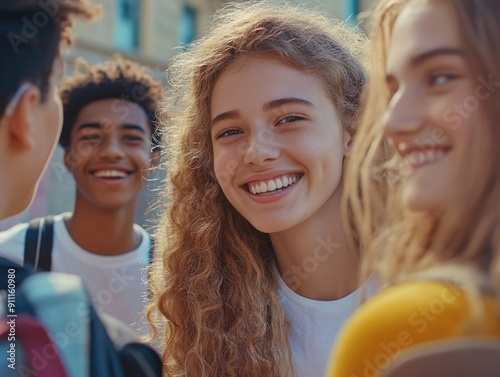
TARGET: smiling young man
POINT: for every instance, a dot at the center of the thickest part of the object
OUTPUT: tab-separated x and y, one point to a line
108	128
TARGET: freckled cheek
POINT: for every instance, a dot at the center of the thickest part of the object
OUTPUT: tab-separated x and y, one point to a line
225	166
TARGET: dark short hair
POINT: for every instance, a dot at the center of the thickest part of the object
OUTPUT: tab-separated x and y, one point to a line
119	78
31	32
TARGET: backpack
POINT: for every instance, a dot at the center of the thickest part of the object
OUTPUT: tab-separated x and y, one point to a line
48	328
38	244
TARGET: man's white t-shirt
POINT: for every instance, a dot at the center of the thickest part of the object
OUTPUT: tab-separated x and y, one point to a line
315	325
116	284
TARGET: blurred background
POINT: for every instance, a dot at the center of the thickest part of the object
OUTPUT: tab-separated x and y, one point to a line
149	32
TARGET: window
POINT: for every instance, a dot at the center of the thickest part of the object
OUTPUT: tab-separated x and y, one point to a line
187	25
127	25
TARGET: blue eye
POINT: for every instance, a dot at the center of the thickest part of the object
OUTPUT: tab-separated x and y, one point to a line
227	133
290	119
441	79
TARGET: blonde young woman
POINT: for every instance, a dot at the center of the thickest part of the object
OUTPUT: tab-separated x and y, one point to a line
256	277
435	102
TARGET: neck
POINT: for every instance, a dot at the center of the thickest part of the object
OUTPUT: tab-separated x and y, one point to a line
103	231
314	259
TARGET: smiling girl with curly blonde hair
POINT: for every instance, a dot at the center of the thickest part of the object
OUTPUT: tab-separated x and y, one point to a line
256	276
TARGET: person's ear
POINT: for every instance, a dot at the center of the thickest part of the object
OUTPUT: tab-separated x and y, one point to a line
68	159
155	157
347	144
21	119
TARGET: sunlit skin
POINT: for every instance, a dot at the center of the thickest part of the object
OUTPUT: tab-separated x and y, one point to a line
51	112
109	152
109	156
436	103
273	125
38	121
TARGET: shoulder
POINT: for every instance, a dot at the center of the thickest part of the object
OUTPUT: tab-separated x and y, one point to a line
407	306
397	318
15	231
143	232
146	240
12	242
406	297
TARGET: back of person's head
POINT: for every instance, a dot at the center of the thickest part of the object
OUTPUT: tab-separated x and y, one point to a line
119	79
232	265
465	228
31	32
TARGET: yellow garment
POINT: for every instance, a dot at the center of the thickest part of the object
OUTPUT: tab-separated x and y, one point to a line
400	317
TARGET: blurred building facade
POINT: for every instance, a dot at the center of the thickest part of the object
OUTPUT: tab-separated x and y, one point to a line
149	32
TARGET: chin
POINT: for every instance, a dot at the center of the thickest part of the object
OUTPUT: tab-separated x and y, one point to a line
269	226
18	205
427	195
422	203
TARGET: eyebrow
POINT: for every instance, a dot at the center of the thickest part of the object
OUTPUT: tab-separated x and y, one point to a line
286	101
99	126
427	55
421	58
233	114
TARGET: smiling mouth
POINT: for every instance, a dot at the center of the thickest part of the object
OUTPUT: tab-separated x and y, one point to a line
272	185
420	158
110	174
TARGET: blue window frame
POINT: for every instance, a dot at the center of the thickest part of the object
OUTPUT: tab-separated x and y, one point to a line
187	25
126	35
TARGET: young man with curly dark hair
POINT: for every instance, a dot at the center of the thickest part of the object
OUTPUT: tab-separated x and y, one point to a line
109	140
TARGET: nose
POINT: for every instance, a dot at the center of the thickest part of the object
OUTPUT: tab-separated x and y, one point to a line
261	147
111	148
404	114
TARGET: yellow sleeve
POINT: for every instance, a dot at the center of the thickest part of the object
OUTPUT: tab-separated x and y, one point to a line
395	319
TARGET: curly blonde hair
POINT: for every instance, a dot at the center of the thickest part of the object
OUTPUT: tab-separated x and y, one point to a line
213	276
466	231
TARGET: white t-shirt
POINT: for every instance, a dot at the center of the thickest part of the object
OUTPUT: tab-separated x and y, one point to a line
314	326
115	283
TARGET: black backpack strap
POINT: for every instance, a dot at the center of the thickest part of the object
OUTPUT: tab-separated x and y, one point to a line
38	243
11	270
104	358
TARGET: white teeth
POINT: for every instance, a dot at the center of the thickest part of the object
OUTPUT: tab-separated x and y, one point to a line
417	158
110	174
271	185
402	146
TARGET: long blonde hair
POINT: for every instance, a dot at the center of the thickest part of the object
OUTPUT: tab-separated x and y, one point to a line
214	298
398	242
